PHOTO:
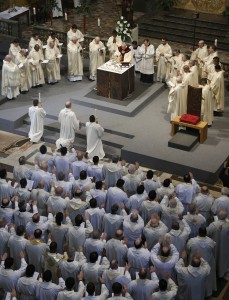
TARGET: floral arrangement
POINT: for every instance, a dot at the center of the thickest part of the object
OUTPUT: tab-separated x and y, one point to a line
123	29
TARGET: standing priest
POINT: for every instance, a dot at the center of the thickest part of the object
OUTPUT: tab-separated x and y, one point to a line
147	64
163	53
97	52
36	114
94	142
75	60
68	126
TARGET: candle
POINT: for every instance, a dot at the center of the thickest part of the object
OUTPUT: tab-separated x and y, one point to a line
98	22
66	16
39	97
216	41
34	10
95	112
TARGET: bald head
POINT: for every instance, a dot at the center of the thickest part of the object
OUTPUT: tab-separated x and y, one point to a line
222	214
5	202
68	104
8	58
134	218
74	40
204	190
97	39
41	184
118	234
186	69
154	221
173	203
58	190
131	169
114	264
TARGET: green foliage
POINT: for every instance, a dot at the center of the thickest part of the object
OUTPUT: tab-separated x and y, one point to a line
48	6
84	9
226	12
165	4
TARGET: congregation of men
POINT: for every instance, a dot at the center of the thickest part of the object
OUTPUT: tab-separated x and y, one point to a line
125	234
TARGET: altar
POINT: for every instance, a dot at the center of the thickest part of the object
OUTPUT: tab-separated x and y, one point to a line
115	80
21	14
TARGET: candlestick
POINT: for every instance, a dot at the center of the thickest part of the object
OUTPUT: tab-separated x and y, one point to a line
216	41
39	97
95	112
66	16
98	22
34	10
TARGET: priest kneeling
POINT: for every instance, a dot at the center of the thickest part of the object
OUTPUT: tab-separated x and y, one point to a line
94	133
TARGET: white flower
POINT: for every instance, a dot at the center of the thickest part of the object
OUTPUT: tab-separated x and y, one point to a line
121	25
116	28
125	21
128	25
121	29
128	34
118	22
122	18
124	31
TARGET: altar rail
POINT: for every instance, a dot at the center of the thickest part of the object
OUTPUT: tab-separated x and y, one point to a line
44	33
10	28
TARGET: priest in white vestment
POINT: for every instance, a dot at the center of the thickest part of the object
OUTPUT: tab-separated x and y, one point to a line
34	40
25	75
52	54
14	49
36	114
68	126
163	53
207	106
74	32
54	39
193	69
75	60
212	52
147	63
35	59
199	55
94	142
174	64
10	78
113	43
136	55
57	11
217	86
97	52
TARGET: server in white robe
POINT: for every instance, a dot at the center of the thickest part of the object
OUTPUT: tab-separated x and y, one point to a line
112	221
57	11
75	60
68	126
4	236
52	54
113	43
153	230
116	249
208	101
221	202
47	290
97	52
164	257
116	195
217	86
25	75
16	244
74	32
133	226
116	274
94	244
142	288
206	246
136	55
6	190
203	202
35	59
9	277
14	49
167	290
35	249
138	257
150	206
94	133
78	234
163	54
27	284
192	279
147	62
218	231
112	172
10	78
179	234
37	115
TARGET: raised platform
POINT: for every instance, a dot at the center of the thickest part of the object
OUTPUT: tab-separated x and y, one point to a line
183	140
139	131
